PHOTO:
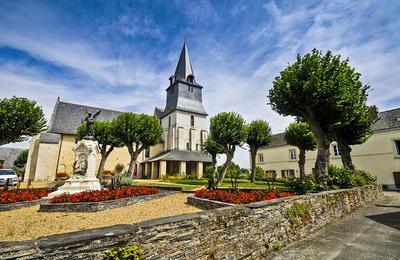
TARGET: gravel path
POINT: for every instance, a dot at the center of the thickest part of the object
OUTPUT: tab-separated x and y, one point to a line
28	223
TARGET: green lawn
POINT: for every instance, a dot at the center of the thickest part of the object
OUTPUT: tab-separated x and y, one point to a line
190	185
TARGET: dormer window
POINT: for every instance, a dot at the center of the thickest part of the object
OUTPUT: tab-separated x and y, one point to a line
171	80
190	78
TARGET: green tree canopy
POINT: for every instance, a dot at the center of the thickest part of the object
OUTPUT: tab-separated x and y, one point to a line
258	135
22	158
20	118
228	129
104	136
323	90
299	134
137	132
355	131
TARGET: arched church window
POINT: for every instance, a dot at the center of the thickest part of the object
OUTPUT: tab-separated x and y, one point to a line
191	120
169	121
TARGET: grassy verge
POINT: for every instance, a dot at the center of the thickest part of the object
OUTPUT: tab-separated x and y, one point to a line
190	185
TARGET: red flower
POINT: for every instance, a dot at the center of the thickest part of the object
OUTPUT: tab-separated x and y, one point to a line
102	195
238	197
22	195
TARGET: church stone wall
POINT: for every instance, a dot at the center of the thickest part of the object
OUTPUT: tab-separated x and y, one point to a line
47	162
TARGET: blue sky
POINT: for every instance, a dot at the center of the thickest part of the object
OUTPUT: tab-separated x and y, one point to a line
119	54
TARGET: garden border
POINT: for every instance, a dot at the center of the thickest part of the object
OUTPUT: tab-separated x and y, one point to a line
101	205
21	204
226	233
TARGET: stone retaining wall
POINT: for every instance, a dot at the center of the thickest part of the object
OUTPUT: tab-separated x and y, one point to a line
230	232
101	205
21	204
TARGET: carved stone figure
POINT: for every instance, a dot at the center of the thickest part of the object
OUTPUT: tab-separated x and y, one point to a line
80	165
90	118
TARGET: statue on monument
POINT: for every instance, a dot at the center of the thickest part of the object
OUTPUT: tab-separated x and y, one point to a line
82	152
90	119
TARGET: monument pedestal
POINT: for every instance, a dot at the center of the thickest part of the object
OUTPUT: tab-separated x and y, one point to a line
84	178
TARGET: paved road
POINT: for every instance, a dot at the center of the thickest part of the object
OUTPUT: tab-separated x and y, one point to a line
370	233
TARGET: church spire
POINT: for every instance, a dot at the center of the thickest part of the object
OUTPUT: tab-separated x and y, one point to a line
184	67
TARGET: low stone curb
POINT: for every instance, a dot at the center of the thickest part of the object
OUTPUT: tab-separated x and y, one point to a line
21	204
207	204
101	205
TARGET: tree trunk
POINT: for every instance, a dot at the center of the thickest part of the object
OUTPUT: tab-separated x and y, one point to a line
229	157
134	155
253	154
302	161
211	181
345	154
104	155
322	162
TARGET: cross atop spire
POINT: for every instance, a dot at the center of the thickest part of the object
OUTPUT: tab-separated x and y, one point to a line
184	67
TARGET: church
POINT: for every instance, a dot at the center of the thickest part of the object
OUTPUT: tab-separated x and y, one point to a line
184	123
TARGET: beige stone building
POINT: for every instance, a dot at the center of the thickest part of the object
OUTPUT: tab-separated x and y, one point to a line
183	119
380	155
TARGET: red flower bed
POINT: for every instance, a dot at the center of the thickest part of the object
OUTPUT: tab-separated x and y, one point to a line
13	196
241	197
102	195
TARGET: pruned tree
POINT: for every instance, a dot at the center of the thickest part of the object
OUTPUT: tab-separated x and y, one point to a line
258	134
323	90
137	132
355	131
228	129
104	136
212	148
299	134
20	118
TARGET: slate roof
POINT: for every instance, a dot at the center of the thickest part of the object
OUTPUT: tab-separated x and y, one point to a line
277	140
184	67
387	120
158	112
178	155
66	117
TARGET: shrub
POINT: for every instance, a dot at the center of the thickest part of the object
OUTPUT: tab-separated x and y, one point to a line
368	177
192	176
241	197
22	195
282	180
296	211
125	182
208	172
260	175
308	183
119	168
341	177
130	252
22	158
102	195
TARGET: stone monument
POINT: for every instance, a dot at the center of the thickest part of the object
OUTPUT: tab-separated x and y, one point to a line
84	168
